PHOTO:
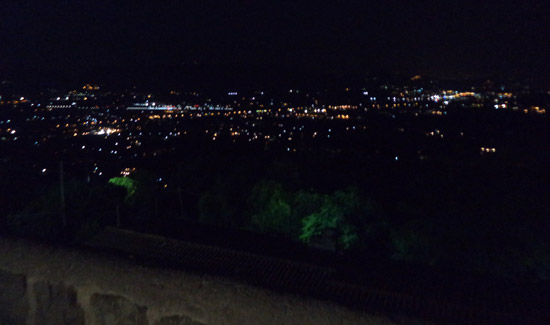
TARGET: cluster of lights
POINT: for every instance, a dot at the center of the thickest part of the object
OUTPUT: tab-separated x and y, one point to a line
485	149
90	87
436	132
106	131
342	107
535	109
127	171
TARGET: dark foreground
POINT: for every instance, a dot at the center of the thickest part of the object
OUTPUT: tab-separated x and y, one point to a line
394	289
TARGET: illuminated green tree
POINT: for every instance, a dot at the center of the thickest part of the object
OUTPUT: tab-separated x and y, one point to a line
335	219
128	184
305	203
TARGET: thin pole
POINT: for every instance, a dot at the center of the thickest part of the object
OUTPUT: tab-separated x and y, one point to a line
62	189
181	201
118	215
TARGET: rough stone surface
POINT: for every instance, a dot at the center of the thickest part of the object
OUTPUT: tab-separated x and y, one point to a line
112	290
117	310
14	307
177	320
56	304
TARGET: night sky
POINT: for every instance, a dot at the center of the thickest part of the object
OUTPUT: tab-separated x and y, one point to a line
450	39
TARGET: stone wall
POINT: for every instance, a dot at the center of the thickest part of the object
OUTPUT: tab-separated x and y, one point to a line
14	304
41	284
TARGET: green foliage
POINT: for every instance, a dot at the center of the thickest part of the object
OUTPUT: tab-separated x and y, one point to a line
275	217
310	216
271	208
306	203
334	217
128	184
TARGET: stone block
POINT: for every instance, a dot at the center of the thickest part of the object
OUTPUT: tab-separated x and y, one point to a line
117	310
14	306
56	304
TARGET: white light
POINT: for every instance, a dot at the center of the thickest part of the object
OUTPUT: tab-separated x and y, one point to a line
396	158
44	170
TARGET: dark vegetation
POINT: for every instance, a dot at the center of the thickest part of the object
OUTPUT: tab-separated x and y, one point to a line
455	209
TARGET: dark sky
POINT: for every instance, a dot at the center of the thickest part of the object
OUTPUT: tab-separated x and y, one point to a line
441	38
